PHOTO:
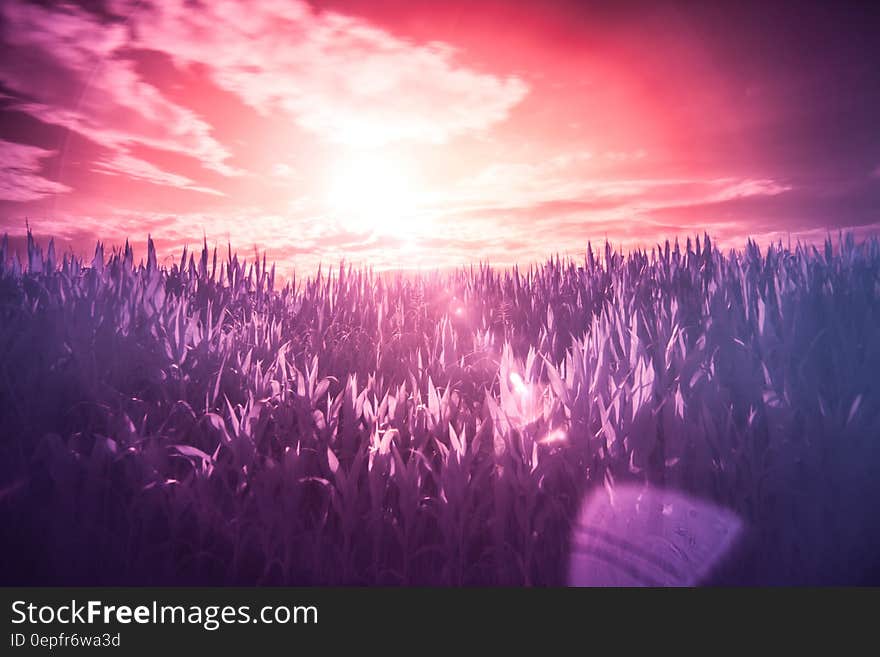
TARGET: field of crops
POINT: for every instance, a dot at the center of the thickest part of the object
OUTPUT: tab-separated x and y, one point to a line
206	423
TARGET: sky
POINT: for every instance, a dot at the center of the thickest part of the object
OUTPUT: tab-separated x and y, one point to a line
416	133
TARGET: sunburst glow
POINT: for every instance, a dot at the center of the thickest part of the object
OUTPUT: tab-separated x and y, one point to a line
373	192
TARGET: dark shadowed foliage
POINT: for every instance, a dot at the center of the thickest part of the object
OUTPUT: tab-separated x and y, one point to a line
202	424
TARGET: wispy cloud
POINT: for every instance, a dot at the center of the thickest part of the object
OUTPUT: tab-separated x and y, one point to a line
138	169
21	177
576	184
70	70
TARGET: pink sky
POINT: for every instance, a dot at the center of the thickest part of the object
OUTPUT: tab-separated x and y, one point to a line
430	134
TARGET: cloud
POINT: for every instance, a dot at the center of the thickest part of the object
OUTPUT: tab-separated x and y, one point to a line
333	75
282	170
279	84
20	173
523	210
133	167
577	183
734	189
330	75
70	70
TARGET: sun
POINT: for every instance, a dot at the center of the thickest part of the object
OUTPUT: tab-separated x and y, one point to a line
373	191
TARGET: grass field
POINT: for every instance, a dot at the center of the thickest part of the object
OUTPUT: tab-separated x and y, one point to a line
207	423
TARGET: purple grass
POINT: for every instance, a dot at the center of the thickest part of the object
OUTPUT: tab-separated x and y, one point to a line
206	423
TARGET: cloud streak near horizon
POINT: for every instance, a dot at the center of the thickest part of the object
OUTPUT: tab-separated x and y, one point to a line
490	132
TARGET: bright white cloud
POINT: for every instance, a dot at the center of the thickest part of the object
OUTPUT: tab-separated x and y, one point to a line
335	76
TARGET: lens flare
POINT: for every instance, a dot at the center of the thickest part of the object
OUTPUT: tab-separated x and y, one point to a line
518	384
554	437
373	191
